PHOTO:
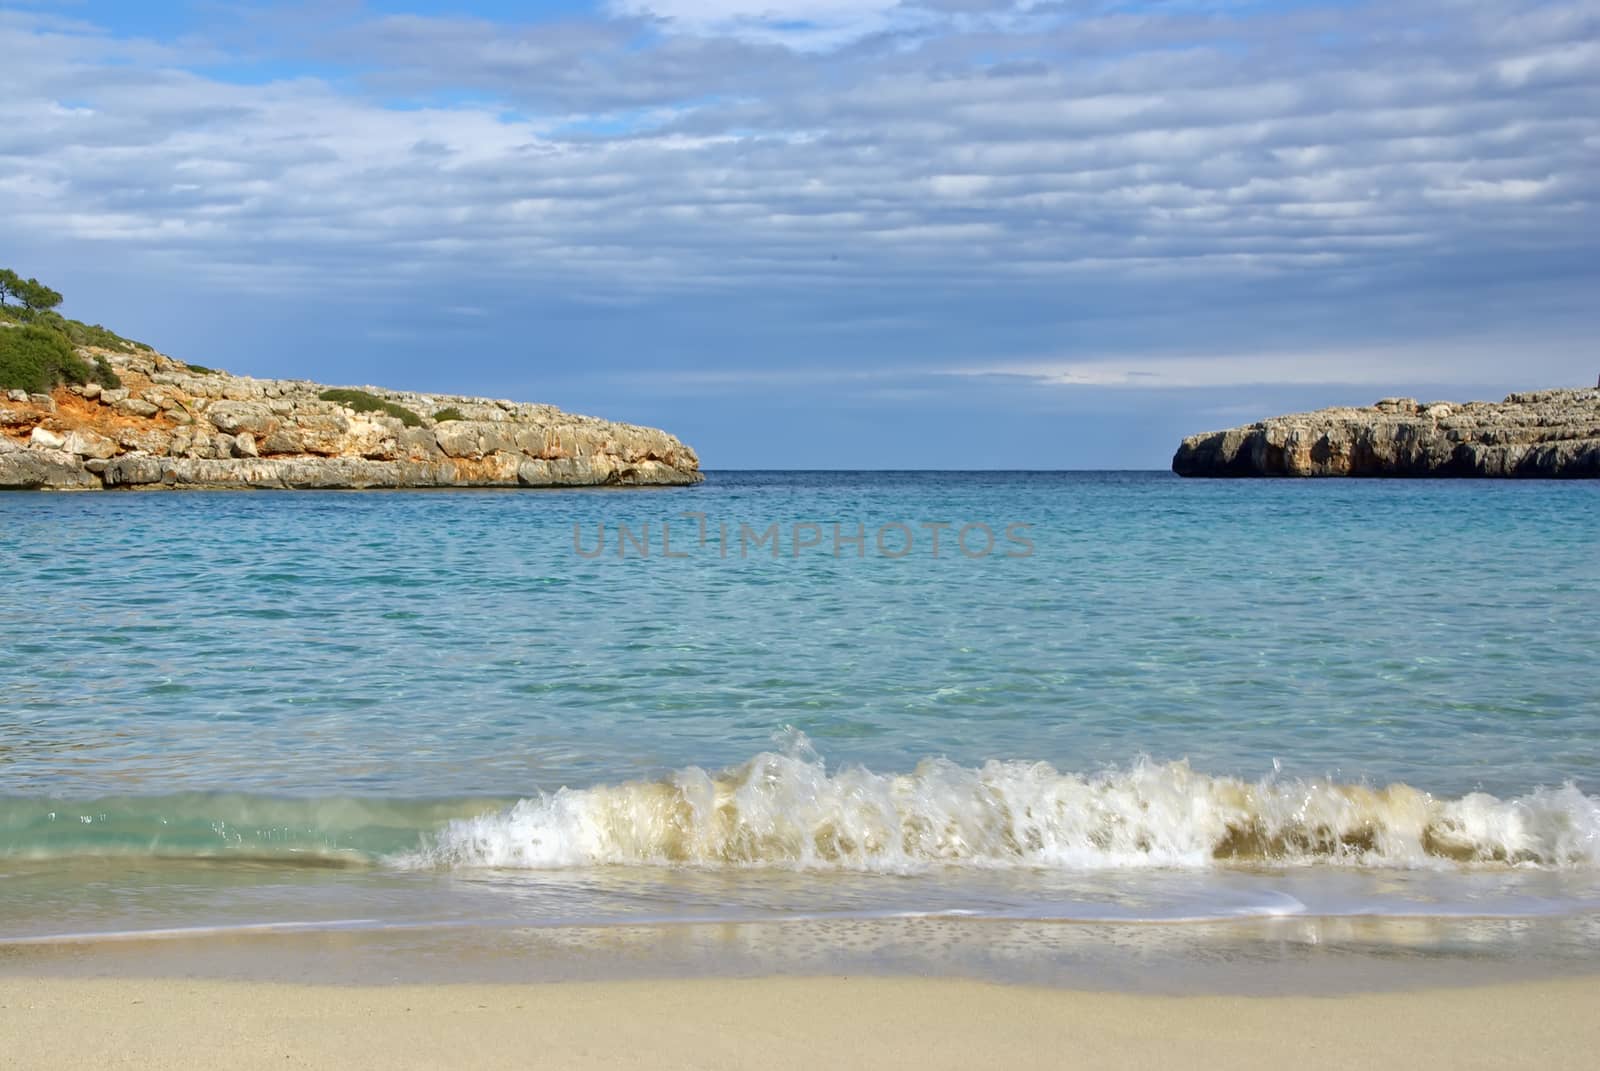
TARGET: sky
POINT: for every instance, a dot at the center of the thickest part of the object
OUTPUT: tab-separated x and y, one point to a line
828	233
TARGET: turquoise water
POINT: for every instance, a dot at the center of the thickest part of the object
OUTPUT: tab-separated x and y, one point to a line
1152	699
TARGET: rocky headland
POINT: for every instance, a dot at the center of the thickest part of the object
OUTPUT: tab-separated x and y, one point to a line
173	425
1549	434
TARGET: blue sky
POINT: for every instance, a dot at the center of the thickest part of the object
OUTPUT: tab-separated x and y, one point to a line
829	233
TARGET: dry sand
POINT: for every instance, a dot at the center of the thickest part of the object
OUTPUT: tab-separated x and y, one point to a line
823	1023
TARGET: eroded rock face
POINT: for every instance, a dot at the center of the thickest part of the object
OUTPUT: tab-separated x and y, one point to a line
90	444
44	439
39	469
171	427
234	418
1538	434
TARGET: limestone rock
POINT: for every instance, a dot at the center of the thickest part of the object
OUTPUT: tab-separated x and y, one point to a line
132	470
169	426
1541	434
138	407
31	470
459	438
147	440
320	433
90	444
232	418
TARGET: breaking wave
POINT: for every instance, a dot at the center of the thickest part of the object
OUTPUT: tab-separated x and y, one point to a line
787	810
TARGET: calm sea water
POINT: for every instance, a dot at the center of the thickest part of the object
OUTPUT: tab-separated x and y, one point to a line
1155	699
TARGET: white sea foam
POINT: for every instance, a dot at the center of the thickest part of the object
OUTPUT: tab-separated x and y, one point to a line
787	810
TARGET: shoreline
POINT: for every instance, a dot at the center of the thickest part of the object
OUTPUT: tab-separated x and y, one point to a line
1247	957
365	489
839	1021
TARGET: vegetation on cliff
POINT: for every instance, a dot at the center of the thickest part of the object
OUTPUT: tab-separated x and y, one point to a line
35	360
83	409
361	402
37	343
32	295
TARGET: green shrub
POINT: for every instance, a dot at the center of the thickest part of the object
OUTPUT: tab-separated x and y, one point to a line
362	402
35	359
76	331
40	354
201	370
448	413
83	334
105	338
104	375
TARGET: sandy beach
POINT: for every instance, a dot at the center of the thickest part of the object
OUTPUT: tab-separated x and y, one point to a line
779	1023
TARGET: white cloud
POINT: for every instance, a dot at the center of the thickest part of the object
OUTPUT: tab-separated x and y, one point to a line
1464	362
812	24
1057	166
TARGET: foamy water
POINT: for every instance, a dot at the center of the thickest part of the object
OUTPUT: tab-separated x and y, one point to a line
789	810
786	810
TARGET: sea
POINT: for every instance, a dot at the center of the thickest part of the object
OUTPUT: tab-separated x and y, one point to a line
1070	727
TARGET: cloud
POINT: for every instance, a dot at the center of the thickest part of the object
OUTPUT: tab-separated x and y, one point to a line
1075	178
1465	362
811	24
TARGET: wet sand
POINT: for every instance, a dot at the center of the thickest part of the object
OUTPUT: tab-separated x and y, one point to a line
778	1023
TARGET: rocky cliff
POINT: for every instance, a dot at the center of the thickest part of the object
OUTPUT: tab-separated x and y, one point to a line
174	425
1548	433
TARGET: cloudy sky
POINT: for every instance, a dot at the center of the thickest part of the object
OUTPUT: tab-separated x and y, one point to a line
828	233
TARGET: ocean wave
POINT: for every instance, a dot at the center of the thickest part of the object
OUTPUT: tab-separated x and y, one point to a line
787	810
